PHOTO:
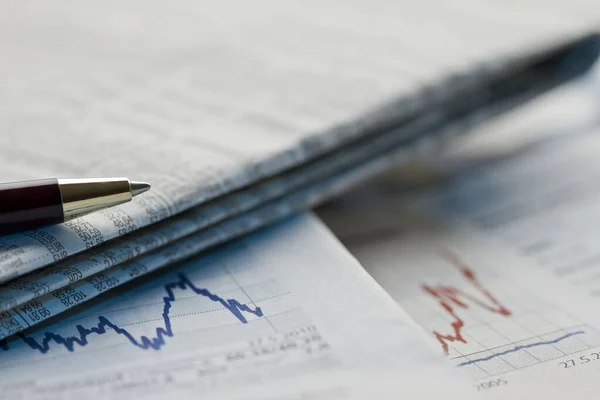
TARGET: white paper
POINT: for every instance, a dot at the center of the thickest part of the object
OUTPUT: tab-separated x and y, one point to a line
513	328
544	202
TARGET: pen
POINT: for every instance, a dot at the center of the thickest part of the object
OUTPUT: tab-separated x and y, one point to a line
30	204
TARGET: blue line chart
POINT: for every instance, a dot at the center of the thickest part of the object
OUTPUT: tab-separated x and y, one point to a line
521	347
143	342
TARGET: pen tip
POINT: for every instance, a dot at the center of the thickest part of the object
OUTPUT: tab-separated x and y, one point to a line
139	188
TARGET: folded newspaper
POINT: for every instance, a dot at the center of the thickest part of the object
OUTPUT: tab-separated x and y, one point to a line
240	113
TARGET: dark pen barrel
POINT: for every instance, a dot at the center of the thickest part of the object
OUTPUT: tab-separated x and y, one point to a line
29	204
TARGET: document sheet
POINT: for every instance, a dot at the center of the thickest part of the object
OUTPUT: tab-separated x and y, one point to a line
546	206
511	327
261	318
203	100
543	202
498	264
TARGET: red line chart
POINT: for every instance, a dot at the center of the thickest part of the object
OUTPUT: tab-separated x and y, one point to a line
452	299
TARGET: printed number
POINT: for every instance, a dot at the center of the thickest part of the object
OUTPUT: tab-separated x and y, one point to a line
73	299
584	360
568	363
580	361
491	384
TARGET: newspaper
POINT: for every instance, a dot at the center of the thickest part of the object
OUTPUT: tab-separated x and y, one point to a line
86	286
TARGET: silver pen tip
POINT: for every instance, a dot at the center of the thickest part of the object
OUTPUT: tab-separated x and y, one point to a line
139	188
